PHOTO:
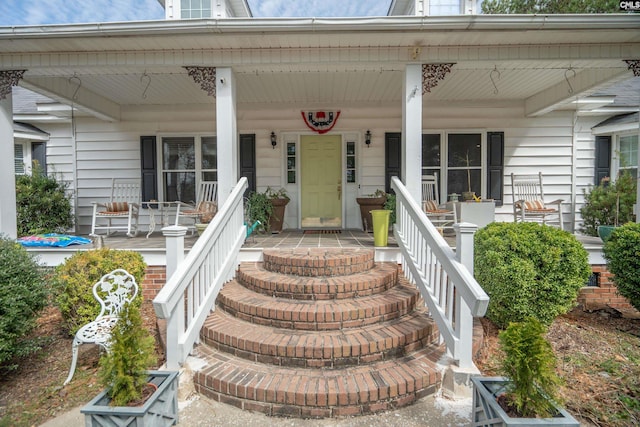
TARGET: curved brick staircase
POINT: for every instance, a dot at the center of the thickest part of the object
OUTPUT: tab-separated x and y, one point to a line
319	333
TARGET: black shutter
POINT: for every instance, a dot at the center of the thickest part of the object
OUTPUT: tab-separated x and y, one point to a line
392	158
39	154
149	168
603	158
248	161
495	167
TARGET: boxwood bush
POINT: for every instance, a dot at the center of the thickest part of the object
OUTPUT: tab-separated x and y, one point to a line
42	204
529	270
608	204
23	294
74	280
622	252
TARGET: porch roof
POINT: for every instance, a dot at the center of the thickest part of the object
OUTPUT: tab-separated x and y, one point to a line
320	62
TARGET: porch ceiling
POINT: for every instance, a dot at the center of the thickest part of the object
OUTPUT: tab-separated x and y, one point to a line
316	63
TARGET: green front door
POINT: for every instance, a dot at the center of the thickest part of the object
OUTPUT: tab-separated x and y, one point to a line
321	181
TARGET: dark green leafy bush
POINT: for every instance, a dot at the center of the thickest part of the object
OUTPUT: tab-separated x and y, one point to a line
622	252
23	294
529	270
609	204
124	368
42	204
74	280
530	364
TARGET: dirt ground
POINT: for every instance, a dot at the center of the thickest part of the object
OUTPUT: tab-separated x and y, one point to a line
598	357
33	393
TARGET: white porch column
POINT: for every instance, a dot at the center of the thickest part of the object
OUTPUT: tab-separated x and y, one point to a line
412	131
227	132
8	223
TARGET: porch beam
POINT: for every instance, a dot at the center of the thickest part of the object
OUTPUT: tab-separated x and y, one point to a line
319	55
584	83
63	90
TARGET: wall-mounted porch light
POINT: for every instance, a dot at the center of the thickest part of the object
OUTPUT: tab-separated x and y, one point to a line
274	141
367	138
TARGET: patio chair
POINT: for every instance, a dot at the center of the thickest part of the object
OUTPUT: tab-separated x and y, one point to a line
438	214
203	210
113	291
529	204
123	204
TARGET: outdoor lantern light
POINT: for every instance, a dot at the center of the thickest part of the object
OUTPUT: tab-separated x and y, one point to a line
273	140
367	138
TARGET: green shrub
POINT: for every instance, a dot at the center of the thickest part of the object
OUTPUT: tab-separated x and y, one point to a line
42	204
530	365
622	252
23	293
608	204
74	280
390	204
124	368
529	270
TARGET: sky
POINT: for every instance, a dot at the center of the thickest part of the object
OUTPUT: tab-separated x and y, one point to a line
41	12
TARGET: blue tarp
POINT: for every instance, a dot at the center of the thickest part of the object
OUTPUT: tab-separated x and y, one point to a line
52	239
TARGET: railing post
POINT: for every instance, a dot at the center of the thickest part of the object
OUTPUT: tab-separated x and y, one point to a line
175	323
464	243
175	247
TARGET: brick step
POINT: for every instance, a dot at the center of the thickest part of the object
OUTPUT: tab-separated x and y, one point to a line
318	393
321	315
318	262
379	278
313	349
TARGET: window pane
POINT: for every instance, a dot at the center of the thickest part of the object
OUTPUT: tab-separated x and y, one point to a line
18	157
430	150
209	153
629	151
178	153
464	150
458	181
180	186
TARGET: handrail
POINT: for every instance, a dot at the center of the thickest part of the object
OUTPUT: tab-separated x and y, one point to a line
448	288
190	293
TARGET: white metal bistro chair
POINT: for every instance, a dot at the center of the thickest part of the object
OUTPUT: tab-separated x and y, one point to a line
203	210
124	204
529	204
437	213
113	291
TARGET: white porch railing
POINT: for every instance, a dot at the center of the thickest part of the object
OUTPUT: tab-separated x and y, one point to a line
190	292
444	278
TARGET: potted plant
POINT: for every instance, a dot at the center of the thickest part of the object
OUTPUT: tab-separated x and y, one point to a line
390	204
469	194
267	209
279	200
134	395
368	203
527	393
608	205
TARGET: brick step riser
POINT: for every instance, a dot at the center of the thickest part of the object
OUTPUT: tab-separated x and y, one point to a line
312	393
318	316
317	262
329	288
313	412
319	359
341	350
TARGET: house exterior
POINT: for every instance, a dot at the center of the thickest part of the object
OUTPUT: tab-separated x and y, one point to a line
289	102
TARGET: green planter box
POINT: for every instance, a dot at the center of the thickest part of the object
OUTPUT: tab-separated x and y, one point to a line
161	409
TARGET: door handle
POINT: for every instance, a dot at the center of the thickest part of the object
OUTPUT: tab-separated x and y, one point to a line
339	192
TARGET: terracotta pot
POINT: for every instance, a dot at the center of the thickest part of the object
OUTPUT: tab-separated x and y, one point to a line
277	217
368	204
